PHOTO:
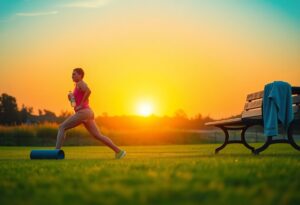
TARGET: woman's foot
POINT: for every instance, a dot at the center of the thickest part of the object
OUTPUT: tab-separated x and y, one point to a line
121	154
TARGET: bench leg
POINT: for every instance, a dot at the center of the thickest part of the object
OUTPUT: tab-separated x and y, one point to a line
243	139
290	137
225	142
265	146
290	140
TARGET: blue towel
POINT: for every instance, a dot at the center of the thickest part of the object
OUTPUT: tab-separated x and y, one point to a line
277	105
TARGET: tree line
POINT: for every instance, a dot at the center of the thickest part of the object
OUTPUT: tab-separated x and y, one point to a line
11	115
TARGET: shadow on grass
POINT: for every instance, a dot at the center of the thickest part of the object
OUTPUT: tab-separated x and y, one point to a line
262	155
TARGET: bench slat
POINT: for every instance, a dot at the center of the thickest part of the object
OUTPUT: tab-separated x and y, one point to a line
225	121
257	112
258	103
253	104
260	94
255	96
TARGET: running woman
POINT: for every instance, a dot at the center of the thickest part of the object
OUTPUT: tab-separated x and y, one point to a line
84	114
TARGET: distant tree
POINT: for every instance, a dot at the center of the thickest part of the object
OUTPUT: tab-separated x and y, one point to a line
25	114
180	119
40	112
104	114
8	110
47	115
63	115
180	114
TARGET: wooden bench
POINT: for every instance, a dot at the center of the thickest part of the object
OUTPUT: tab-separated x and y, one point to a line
251	116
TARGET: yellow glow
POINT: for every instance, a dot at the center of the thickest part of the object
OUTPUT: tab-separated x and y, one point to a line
138	63
145	109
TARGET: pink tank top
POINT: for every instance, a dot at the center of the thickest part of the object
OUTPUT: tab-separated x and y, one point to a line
78	94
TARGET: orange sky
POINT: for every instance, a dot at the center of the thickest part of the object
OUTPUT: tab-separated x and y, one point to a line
199	58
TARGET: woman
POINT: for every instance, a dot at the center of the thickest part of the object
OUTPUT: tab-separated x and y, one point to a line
84	114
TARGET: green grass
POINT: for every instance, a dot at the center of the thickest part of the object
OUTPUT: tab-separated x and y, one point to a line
177	174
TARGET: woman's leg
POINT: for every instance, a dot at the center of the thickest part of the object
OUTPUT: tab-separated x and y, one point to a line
70	122
92	127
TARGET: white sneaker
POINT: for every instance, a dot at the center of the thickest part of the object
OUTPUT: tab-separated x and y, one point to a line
121	154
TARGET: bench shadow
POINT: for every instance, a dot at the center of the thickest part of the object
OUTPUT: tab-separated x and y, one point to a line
281	155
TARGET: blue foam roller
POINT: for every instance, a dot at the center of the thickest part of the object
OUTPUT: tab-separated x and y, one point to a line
47	154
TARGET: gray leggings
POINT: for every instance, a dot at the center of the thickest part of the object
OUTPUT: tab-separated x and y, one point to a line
85	116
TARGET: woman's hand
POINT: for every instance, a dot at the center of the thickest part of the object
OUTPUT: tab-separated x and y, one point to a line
78	107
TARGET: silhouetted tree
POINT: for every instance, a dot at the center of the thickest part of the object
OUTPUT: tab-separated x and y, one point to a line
25	114
180	119
63	115
8	110
180	114
47	115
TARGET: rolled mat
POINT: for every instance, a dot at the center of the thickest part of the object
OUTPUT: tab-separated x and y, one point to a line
47	154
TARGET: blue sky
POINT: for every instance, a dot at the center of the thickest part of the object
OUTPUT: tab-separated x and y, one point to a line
9	8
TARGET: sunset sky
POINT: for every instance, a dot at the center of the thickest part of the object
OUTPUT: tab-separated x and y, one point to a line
196	55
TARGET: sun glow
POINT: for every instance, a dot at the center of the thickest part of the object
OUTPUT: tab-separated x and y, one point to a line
145	109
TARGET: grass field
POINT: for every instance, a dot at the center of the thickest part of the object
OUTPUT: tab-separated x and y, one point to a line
176	174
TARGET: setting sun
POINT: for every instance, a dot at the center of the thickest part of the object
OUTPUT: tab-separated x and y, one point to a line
145	109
